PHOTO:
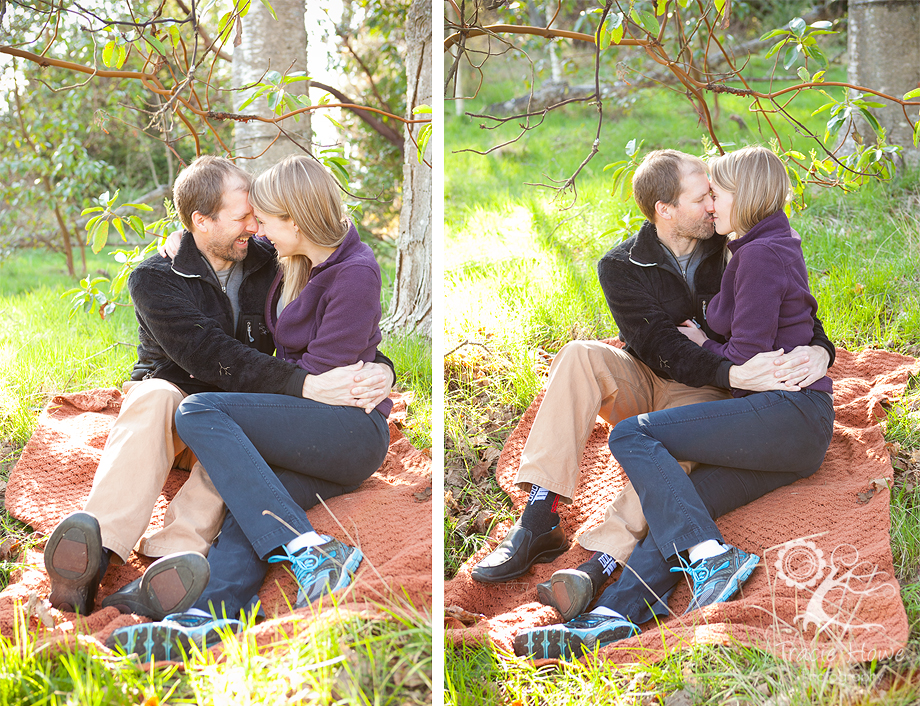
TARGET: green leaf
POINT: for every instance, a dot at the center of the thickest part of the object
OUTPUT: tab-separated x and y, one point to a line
137	225
818	54
910	95
327	98
603	38
120	228
821	24
776	33
421	110
155	45
273	77
331	120
270	9
108	53
792	55
797	25
871	119
823	108
803	74
632	147
720	5
273	99
661	6
818	77
91	209
100	236
140	206
613	165
424	135
617	27
92	222
796	155
122	56
647	21
775	48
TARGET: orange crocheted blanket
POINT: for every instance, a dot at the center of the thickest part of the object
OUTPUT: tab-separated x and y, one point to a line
825	589
389	516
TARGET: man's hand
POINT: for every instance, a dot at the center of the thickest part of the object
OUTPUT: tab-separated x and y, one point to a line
170	246
777	370
360	385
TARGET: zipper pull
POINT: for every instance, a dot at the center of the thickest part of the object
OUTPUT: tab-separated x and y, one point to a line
249	331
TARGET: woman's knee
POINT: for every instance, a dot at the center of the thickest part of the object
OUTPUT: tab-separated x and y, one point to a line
623	434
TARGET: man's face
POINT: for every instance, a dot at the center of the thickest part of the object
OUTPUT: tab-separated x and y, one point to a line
227	238
693	214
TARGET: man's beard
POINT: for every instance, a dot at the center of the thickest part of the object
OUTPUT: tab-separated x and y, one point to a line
226	251
699	230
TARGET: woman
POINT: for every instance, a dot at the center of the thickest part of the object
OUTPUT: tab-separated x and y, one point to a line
747	446
273	456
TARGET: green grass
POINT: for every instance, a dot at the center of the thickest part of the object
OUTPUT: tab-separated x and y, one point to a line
520	280
333	658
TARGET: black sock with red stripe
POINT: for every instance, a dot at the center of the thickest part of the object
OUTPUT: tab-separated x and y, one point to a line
540	514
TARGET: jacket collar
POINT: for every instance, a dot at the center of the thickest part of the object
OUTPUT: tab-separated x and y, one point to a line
775	226
345	249
648	251
190	262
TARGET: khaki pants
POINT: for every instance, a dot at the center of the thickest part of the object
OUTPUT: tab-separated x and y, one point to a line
141	449
590	379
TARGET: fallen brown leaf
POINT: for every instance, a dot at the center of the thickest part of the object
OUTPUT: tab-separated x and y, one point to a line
423	495
464	616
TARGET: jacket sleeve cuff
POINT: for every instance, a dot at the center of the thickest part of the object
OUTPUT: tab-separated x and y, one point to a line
721	377
383	360
294	386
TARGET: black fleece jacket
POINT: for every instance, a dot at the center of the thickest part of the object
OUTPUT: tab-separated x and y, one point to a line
186	331
648	298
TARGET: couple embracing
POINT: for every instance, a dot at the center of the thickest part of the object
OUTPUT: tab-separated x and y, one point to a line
265	436
719	396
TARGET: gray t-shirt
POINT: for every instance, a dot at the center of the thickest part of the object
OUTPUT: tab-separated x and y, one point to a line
230	281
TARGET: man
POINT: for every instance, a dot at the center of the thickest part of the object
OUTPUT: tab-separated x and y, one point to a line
201	326
653	282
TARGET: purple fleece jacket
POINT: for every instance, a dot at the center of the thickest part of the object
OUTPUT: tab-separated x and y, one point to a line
764	302
335	320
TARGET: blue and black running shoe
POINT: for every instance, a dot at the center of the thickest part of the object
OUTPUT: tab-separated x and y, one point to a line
576	638
718	578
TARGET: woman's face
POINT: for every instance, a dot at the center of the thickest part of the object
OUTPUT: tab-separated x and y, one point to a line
722	215
282	233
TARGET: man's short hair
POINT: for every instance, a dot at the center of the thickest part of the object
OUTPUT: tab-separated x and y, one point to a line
758	182
201	185
659	176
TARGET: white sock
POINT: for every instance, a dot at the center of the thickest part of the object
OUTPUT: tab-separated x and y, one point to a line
307	539
706	549
609	612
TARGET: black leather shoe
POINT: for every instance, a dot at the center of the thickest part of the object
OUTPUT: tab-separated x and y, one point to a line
518	551
569	591
172	584
73	556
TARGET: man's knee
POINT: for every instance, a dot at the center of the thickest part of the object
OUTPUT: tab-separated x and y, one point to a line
152	395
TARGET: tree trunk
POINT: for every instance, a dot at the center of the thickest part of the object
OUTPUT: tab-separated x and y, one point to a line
884	52
278	46
410	308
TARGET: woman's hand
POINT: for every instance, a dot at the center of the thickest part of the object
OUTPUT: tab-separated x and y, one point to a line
362	385
693	332
170	246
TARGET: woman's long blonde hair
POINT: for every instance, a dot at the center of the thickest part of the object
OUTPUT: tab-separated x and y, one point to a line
757	180
300	189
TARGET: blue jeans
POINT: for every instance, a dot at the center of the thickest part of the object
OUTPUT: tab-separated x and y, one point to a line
277	453
746	447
